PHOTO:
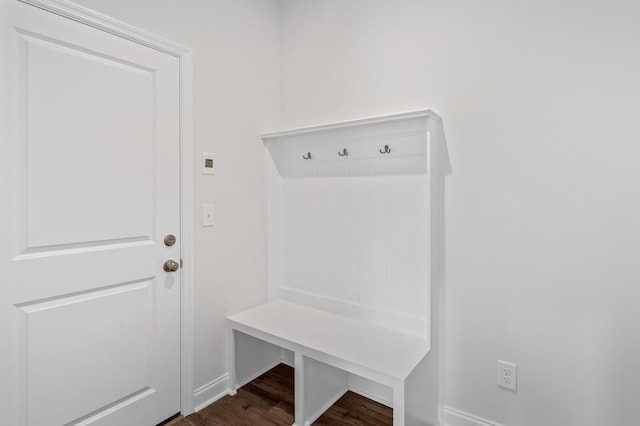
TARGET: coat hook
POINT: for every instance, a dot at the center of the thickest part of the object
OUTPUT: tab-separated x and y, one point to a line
343	153
307	157
386	150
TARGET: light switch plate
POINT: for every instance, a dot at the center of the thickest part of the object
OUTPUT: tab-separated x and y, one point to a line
208	164
208	215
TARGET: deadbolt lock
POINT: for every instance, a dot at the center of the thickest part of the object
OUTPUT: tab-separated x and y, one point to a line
169	240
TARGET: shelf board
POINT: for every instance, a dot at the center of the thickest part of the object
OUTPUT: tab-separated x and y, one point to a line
386	145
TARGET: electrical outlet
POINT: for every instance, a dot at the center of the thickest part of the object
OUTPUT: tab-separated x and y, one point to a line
507	375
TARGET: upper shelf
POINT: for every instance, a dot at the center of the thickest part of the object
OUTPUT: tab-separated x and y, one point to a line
391	144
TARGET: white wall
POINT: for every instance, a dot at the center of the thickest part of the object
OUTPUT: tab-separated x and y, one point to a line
540	102
236	96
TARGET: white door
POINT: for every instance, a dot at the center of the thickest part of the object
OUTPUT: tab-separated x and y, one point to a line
89	187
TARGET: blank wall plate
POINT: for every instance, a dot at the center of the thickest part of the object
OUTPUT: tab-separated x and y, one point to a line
507	375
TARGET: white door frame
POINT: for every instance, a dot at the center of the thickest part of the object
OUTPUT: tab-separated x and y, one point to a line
104	23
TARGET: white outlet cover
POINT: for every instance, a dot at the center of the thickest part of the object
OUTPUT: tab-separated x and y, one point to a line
507	375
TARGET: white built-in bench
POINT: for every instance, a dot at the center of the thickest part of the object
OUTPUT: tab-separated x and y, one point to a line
325	348
355	249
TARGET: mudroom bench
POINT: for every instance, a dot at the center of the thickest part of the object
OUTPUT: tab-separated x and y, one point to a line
325	349
355	265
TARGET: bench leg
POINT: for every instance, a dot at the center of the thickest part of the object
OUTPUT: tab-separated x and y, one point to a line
231	353
398	405
298	386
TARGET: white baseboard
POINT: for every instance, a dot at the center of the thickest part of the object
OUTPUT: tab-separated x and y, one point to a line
455	417
218	388
377	398
211	392
258	373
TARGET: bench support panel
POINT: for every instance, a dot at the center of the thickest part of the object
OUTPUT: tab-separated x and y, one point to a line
253	357
324	385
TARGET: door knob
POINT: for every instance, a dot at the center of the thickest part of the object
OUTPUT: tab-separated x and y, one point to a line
171	266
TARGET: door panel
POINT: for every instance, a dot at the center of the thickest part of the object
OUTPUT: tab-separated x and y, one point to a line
91	136
89	321
54	357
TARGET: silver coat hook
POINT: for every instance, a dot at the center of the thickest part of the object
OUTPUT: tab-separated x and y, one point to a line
344	153
386	150
307	157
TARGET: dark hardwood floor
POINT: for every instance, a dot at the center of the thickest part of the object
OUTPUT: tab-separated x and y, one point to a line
268	400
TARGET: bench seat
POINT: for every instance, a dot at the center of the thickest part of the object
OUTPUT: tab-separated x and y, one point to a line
346	344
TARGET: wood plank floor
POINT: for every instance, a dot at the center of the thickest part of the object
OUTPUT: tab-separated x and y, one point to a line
268	400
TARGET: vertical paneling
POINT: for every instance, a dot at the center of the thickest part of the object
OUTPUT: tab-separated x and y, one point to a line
360	239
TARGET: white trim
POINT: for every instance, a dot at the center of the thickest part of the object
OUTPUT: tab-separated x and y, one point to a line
454	417
211	392
104	23
187	328
257	374
107	24
350	123
371	396
219	388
